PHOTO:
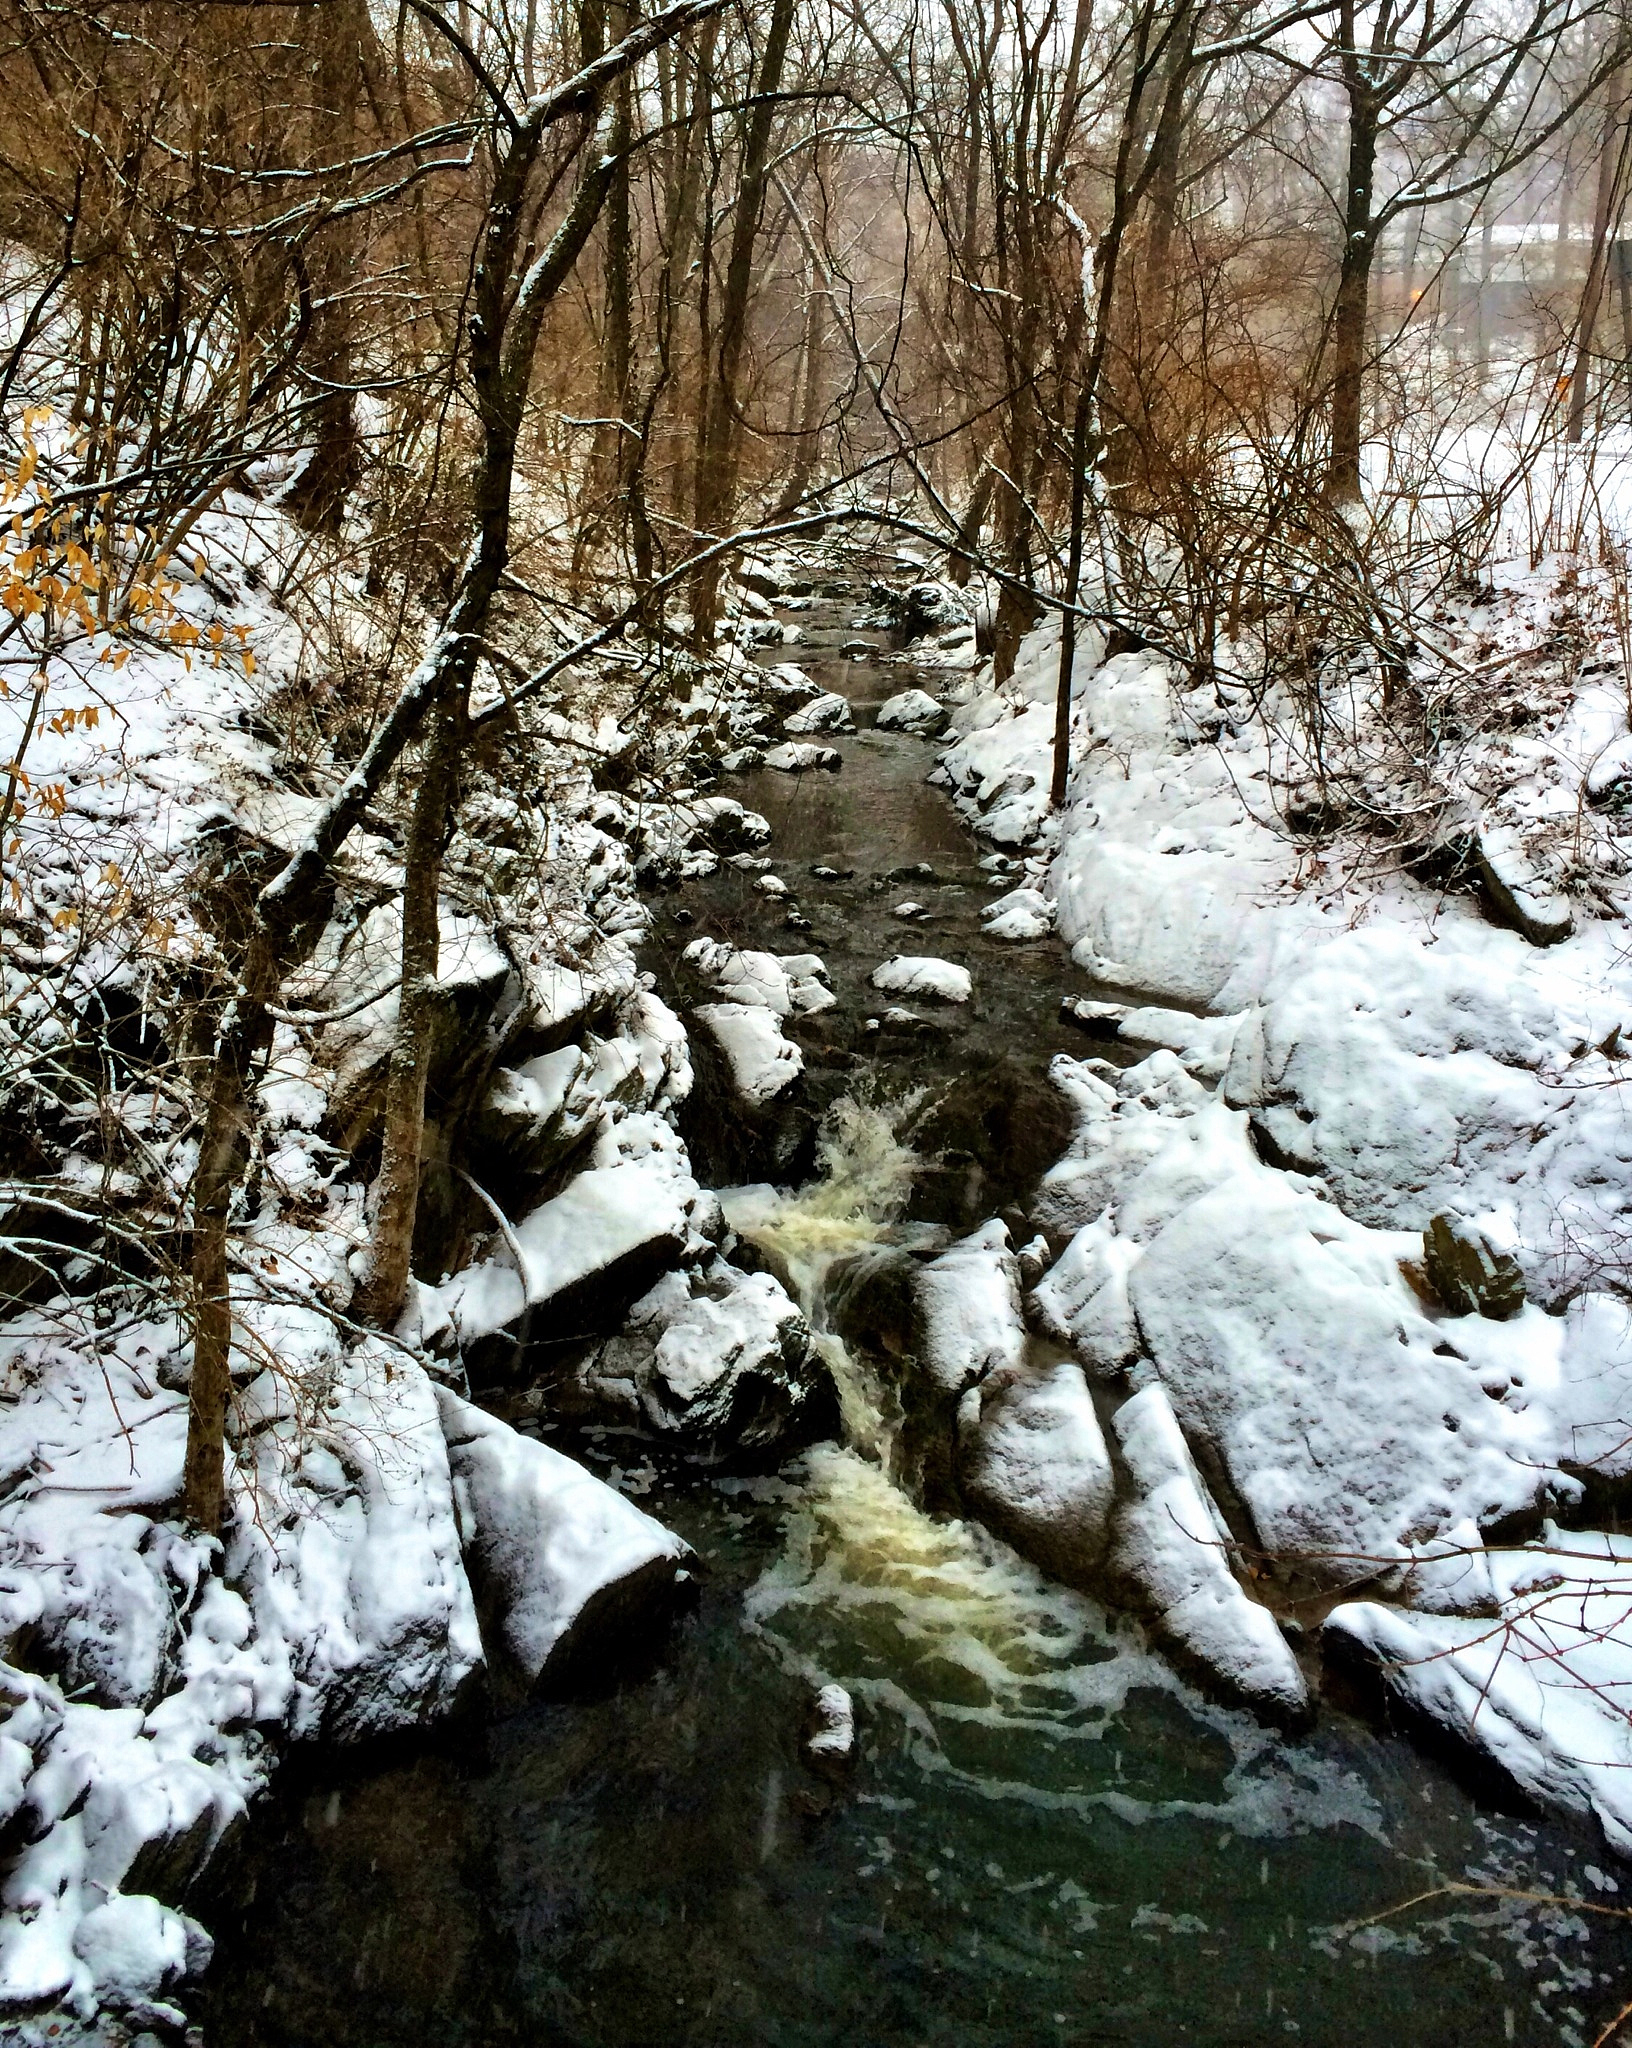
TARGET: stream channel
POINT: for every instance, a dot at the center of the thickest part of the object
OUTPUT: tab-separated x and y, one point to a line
1048	1838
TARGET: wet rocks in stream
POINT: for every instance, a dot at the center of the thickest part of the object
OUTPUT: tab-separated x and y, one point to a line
716	1362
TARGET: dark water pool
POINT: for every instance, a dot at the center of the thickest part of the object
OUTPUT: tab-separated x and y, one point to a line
1046	1840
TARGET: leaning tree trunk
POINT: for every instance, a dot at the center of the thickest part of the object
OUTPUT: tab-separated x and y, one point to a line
396	1189
505	323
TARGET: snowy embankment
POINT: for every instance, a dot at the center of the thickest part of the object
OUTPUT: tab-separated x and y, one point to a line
1359	1213
389	1549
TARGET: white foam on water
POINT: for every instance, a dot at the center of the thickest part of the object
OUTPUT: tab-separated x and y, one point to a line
952	1639
863	1186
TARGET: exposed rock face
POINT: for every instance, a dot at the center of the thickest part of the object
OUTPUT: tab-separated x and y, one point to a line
1468	1273
1032	1464
1171	1554
718	1362
568	1574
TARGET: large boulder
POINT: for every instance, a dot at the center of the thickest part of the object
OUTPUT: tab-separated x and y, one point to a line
1338	1421
761	1063
718	1363
573	1265
914	711
569	1576
1032	1464
828	712
1171	1557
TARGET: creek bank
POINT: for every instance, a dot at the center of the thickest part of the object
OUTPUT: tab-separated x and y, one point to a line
1358	1214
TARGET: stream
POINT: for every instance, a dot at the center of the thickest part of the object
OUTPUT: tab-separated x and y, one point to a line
1048	1837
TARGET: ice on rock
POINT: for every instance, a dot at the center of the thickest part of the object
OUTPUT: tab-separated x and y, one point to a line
1032	1464
907	974
566	1570
1171	1549
761	1062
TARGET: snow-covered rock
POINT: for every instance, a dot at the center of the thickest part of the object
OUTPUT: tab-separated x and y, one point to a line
914	711
586	1252
906	974
1032	1464
1540	1693
802	757
1295	1352
727	826
1018	917
1171	1552
761	1062
967	1302
567	1572
717	1361
827	713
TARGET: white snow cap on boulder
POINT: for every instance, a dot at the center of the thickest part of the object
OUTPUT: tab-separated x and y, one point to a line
967	1309
762	1063
1032	1463
1541	1692
564	1567
912	711
908	974
1170	1547
827	713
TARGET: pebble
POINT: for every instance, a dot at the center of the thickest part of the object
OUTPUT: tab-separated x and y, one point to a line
771	885
914	913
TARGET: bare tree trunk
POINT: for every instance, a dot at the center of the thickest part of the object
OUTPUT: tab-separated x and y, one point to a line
396	1189
1353	294
808	445
717	468
1611	170
317	498
961	557
505	321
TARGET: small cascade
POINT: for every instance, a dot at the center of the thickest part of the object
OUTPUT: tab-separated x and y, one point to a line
863	1184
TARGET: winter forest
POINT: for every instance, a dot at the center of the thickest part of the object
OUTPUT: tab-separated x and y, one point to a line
815	986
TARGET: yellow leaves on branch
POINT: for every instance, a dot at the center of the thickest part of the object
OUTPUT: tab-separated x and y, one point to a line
60	571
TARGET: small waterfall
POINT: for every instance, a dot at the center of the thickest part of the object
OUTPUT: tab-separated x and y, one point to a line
863	1186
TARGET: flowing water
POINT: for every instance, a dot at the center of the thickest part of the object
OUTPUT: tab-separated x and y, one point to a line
1047	1838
